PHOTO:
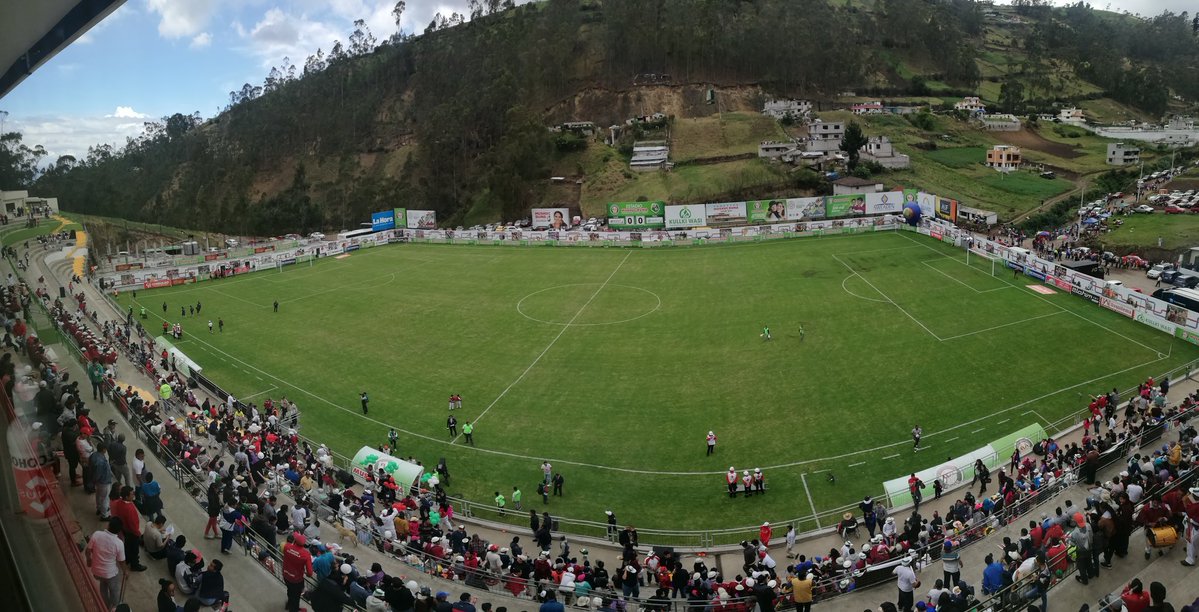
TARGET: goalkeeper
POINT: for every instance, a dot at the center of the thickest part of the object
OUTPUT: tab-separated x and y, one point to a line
765	332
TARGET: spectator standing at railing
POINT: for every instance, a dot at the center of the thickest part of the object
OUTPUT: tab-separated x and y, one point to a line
101	475
104	550
95	374
123	508
118	460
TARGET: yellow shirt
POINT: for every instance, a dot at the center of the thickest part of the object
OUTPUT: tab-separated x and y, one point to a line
801	590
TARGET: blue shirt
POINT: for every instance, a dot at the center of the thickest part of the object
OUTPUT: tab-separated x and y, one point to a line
323	565
552	606
993	578
151	488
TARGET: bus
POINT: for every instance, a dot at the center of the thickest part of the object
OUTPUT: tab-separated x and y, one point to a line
355	234
1187	298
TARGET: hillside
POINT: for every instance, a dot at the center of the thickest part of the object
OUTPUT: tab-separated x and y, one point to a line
455	120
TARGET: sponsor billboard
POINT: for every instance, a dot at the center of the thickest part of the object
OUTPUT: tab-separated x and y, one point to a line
551	218
369	461
1177	314
1117	306
636	215
947	209
766	211
1035	273
686	215
1148	318
400	217
726	213
888	202
1187	335
845	205
805	209
421	219
383	220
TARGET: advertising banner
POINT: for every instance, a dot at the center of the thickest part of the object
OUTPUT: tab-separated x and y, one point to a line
888	202
383	220
368	461
422	219
400	217
551	218
686	215
636	215
1177	314
1187	335
766	211
845	205
947	209
128	266
726	213
805	209
1148	318
1117	306
928	203
1035	273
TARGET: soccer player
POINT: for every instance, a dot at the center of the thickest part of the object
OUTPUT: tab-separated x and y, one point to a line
916	433
451	402
801	333
220	323
276	305
765	332
392	436
364	400
731	479
711	442
210	326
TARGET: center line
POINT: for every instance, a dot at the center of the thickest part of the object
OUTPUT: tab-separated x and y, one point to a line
550	345
891	456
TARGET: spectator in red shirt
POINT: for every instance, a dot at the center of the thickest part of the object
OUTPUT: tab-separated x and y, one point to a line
131	528
1059	561
297	565
1134	596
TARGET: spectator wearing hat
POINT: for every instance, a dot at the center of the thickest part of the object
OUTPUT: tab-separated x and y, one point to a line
297	565
377	602
907	583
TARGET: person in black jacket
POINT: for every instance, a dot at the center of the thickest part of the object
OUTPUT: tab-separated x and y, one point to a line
329	594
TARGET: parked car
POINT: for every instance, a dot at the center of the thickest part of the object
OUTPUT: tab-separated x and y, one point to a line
1168	276
1156	271
1144	208
1175	210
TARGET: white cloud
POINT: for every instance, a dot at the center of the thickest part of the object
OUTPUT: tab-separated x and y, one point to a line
126	112
73	134
201	40
182	18
279	34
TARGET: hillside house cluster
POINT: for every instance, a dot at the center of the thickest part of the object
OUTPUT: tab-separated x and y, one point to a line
582	128
1004	158
825	136
867	108
1073	116
794	109
1120	154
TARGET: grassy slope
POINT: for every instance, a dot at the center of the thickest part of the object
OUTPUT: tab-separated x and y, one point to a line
412	324
1177	231
720	135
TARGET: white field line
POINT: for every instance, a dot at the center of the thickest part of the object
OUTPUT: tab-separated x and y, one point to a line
1056	305
1052	314
860	297
803	478
892	456
549	346
259	393
909	315
949	276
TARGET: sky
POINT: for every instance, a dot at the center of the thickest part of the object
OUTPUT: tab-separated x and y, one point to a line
154	58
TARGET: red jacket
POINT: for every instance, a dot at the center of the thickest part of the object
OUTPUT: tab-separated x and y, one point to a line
297	563
127	512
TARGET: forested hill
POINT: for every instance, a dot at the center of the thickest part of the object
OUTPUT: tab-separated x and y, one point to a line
455	119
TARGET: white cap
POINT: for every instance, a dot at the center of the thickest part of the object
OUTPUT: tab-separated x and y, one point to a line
346	569
750	582
772	583
711	433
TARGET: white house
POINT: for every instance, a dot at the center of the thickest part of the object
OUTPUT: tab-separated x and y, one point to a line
1001	122
795	109
825	136
772	149
1120	154
650	155
868	108
852	184
21	203
878	149
970	104
1071	115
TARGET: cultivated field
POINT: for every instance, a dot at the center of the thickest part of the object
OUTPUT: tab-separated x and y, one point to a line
614	364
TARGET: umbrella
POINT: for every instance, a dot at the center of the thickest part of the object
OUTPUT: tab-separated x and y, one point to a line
1047	234
1090	221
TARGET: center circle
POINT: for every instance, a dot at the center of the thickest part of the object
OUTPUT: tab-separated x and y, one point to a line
588	304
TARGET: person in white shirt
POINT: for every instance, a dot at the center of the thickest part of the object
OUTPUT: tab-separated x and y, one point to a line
1134	491
185	580
104	550
907	583
139	468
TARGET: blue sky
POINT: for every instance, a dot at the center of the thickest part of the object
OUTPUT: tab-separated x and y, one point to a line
153	58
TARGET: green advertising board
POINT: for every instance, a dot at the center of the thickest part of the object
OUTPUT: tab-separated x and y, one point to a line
845	205
401	218
756	210
636	215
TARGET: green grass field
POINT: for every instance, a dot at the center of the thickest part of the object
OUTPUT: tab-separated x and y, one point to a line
1176	231
614	364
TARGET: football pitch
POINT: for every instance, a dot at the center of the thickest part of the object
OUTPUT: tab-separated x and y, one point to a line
614	364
